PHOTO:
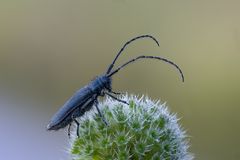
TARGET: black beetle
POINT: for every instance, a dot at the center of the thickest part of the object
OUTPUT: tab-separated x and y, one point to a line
84	99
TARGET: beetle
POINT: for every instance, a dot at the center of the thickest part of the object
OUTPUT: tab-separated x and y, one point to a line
87	97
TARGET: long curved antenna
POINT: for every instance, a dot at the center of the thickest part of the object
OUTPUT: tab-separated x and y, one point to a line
125	45
150	57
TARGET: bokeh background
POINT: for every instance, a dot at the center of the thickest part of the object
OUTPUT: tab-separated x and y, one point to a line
49	49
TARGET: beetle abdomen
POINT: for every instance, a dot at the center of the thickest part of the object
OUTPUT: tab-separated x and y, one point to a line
80	100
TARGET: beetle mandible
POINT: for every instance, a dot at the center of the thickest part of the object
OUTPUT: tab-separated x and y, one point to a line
84	99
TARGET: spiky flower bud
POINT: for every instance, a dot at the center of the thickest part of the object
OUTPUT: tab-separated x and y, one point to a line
142	130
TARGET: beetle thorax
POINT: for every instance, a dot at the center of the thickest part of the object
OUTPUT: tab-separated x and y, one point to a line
100	83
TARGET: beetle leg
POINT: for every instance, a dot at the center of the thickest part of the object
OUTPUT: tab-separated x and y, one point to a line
122	101
117	93
100	113
69	129
77	126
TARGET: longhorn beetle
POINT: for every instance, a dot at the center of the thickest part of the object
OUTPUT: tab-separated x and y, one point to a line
84	99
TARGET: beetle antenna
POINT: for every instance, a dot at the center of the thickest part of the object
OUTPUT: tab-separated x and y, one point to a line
125	45
148	57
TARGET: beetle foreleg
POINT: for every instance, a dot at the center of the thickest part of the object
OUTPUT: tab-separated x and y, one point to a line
122	101
117	93
100	113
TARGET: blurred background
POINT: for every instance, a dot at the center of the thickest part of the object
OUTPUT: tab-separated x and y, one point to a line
49	49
